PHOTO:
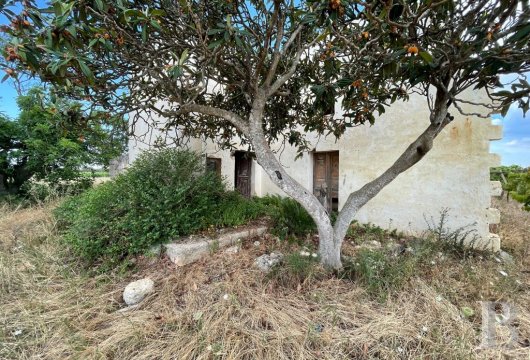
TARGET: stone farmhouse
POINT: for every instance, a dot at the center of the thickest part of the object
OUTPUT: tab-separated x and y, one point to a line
454	175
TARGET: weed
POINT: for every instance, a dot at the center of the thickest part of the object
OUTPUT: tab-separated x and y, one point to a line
366	232
296	268
378	272
462	241
214	247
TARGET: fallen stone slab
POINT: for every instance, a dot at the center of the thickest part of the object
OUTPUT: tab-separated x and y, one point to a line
186	253
136	291
370	245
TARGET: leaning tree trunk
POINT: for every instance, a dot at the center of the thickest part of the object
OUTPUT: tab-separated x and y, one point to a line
332	237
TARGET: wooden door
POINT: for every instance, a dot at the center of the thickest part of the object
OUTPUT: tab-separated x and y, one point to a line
326	179
243	172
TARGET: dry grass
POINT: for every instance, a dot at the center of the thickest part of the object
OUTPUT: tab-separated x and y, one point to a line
50	309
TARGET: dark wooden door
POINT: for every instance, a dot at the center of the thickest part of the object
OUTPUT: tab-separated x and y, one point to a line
243	172
326	179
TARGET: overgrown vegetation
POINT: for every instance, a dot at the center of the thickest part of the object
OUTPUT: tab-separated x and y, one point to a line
379	271
515	181
69	315
44	150
290	220
164	195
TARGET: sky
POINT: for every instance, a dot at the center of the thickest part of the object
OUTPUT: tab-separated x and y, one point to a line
514	147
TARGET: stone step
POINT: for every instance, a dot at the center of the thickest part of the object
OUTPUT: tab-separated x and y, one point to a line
183	253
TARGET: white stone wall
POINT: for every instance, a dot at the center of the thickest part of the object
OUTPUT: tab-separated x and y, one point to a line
454	175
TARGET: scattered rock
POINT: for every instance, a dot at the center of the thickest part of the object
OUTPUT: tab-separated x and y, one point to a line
319	328
232	249
256	243
266	262
396	249
506	258
136	291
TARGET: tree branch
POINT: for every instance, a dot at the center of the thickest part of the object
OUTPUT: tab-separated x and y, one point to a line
233	118
414	153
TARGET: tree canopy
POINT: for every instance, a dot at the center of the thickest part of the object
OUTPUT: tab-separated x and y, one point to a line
168	58
52	140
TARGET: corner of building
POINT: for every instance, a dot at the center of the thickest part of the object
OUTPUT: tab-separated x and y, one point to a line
493	216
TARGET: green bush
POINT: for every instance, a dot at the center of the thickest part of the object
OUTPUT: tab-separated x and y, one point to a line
378	272
164	195
515	181
289	218
237	210
37	192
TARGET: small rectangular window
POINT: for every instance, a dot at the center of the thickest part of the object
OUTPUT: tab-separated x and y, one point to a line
213	164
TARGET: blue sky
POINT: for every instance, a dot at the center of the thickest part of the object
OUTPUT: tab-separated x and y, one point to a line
515	144
514	148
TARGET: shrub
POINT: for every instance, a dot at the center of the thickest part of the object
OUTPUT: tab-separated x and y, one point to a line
379	272
289	218
37	192
237	210
165	194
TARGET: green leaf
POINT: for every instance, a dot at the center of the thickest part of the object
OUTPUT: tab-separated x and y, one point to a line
344	82
502	93
158	12
215	44
520	34
6	76
144	33
322	36
99	5
239	43
86	70
183	57
156	25
426	56
92	42
214	31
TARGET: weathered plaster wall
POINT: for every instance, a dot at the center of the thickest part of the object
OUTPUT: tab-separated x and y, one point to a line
454	175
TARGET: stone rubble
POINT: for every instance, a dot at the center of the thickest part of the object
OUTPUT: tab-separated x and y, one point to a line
136	291
266	262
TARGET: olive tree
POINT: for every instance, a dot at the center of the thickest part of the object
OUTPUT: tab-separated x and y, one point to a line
262	72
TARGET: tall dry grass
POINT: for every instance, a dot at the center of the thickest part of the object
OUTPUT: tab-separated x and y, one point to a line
52	309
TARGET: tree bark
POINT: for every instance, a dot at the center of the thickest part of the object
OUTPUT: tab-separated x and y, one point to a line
332	237
329	248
